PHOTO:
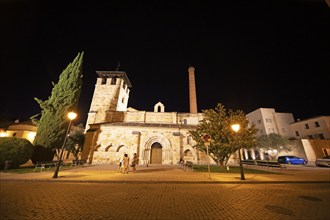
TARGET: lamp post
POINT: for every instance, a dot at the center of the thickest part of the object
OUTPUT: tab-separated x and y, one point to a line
71	116
236	128
207	142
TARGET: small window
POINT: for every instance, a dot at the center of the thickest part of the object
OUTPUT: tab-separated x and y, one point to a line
306	126
114	81
317	124
187	153
189	139
123	100
104	80
321	136
297	133
268	120
271	130
310	136
259	121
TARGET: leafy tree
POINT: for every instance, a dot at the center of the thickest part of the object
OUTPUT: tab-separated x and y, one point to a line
224	141
75	140
64	98
272	144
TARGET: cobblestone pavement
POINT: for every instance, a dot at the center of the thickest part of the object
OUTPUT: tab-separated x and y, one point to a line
165	192
62	200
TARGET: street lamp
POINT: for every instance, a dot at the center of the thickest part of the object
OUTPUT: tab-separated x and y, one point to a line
207	141
71	116
236	128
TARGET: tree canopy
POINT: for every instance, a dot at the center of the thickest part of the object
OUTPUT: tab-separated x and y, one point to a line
64	98
224	141
273	143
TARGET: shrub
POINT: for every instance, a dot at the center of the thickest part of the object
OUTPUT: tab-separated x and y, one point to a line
17	150
41	153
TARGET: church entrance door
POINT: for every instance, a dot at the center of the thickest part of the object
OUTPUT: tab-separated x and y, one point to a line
156	153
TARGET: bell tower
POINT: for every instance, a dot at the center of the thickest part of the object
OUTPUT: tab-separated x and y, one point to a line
110	97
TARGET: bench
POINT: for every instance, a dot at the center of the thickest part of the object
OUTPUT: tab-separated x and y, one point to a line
45	165
249	162
188	164
270	164
77	163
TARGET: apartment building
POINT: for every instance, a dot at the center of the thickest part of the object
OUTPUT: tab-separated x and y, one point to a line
312	135
268	121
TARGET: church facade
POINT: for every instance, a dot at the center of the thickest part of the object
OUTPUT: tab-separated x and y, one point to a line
158	137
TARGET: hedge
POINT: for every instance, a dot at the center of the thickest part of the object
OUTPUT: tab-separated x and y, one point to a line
16	150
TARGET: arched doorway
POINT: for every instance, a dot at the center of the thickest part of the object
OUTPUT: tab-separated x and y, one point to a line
156	153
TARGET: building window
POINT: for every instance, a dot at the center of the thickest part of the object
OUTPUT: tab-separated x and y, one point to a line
297	133
271	130
189	139
306	126
123	100
124	84
310	136
321	136
113	81
268	120
259	121
104	80
317	124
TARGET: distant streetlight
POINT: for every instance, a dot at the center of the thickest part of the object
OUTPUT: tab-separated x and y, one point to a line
71	116
207	142
236	128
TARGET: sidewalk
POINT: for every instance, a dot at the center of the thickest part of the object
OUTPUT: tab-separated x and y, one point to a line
171	173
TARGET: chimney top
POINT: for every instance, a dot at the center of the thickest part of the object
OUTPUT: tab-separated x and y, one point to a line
191	69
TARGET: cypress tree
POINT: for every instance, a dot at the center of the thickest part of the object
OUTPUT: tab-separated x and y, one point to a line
64	98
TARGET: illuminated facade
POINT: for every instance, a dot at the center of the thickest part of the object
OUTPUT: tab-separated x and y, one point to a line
158	137
24	129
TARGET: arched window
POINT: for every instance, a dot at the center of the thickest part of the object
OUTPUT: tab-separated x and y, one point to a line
107	148
187	153
159	107
189	139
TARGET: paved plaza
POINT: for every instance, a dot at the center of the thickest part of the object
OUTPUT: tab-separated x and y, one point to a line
165	192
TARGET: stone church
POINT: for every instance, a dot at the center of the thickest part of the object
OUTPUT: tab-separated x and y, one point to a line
158	137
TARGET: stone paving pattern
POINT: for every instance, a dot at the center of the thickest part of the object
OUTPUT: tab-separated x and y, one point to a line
165	192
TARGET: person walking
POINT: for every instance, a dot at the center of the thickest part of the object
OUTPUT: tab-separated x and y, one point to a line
134	162
125	164
120	165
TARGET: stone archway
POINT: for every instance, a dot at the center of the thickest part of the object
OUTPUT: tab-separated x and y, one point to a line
157	149
156	153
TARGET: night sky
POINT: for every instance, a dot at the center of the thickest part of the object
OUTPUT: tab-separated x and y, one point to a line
247	54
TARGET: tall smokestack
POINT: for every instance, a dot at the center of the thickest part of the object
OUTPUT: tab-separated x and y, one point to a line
192	90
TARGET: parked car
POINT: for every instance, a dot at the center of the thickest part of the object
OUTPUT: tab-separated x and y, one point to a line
288	159
323	161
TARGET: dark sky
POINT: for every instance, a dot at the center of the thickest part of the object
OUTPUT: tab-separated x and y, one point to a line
247	54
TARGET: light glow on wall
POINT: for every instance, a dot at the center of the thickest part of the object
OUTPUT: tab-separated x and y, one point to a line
3	134
31	136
